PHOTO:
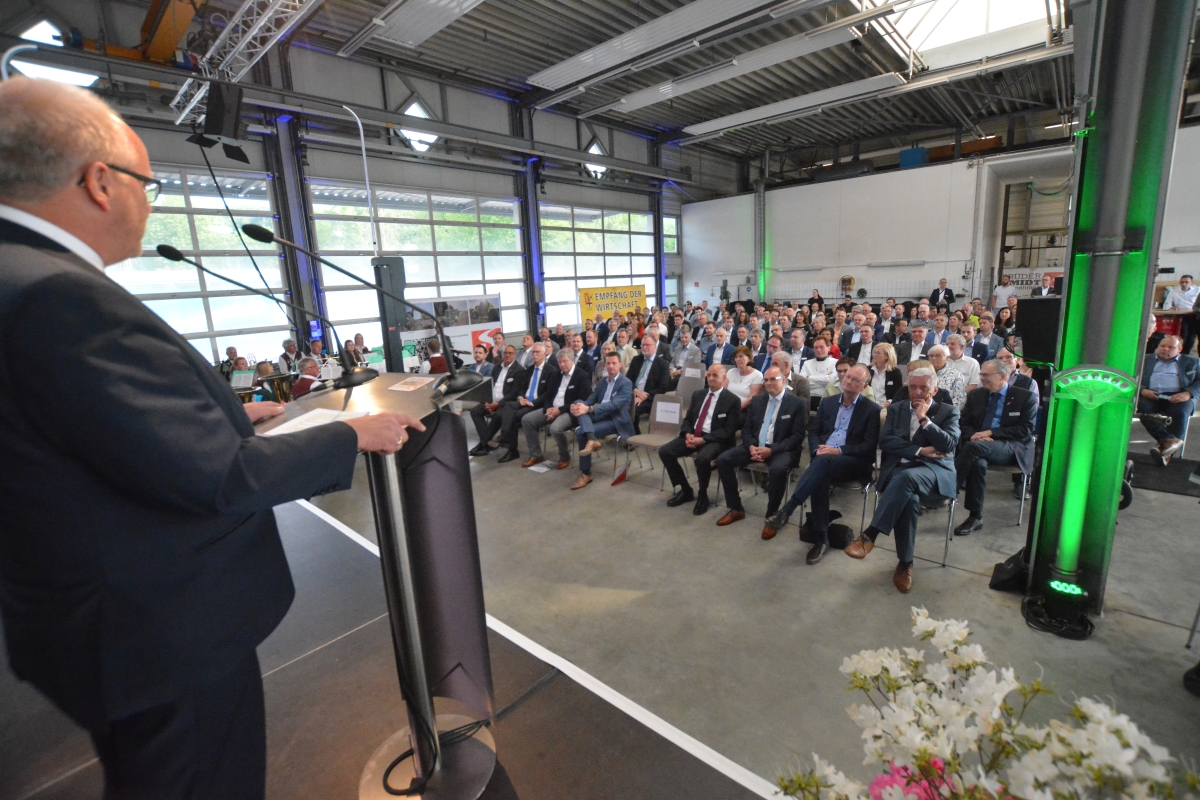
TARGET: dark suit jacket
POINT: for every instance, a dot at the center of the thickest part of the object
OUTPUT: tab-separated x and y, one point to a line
514	381
977	350
941	433
726	417
863	436
725	357
659	379
140	553
543	380
895	340
940	295
940	396
852	351
1017	421
1037	292
579	387
904	351
762	362
790	423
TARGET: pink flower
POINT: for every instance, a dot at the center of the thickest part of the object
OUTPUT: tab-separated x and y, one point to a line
907	782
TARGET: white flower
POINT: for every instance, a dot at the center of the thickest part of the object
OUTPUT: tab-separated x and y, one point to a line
839	785
895	793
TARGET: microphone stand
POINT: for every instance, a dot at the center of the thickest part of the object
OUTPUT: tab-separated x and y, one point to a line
351	375
456	382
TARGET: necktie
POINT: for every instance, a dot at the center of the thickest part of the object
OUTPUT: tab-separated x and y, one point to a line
533	384
989	416
641	381
762	434
699	431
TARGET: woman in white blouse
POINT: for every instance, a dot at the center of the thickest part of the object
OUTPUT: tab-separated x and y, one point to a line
886	378
949	378
742	379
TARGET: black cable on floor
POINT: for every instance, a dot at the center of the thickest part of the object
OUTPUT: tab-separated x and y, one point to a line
1033	609
447	739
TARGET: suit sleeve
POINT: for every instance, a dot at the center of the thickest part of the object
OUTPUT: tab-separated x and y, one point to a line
1023	430
1194	388
795	440
891	442
96	377
971	411
944	437
870	440
725	429
816	434
621	397
518	383
660	376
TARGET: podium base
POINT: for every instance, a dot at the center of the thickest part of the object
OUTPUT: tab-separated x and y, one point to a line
464	771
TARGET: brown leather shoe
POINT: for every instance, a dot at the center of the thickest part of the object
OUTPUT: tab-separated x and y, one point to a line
532	462
768	532
732	517
859	547
903	578
583	481
563	464
591	447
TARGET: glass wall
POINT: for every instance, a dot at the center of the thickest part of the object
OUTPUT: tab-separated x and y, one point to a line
453	246
588	247
212	314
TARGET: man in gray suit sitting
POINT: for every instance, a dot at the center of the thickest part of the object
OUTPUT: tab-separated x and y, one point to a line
918	444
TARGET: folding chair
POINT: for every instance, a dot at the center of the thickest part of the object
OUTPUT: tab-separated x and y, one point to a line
1014	469
665	414
935	502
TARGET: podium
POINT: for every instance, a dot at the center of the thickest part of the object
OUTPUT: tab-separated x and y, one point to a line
429	552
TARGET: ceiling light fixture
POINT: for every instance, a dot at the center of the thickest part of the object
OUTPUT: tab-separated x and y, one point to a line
408	23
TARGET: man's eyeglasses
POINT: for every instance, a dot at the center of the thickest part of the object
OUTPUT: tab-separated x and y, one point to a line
152	186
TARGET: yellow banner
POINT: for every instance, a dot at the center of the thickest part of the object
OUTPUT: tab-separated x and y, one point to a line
610	300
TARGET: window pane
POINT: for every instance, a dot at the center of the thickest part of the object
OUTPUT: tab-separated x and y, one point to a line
204	347
459	268
643	223
513	320
670	226
558	266
590	283
359	265
185	316
648	283
562	315
458	209
405	238
419	269
589	242
372	333
503	212
641	244
171	194
643	265
463	290
244	193
169	229
258	346
670	244
552	216
215	232
511	294
419	292
587	218
241	269
154	275
557	241
616	265
616	221
616	243
505	240
245	311
456	237
353	304
589	265
402	205
499	267
561	292
340	234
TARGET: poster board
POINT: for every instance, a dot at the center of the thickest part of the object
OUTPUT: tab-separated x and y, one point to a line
467	321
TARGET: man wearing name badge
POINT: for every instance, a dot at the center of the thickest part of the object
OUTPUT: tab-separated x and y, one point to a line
772	435
530	396
651	377
708	429
942	294
567	385
685	353
506	387
1167	398
997	426
606	411
1183	298
860	351
721	351
140	565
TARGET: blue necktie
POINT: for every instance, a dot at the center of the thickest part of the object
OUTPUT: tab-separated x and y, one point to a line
992	407
533	384
762	434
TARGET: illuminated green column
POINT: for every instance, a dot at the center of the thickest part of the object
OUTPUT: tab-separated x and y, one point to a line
1130	60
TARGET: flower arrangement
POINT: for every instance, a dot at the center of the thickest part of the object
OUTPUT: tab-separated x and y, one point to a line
946	730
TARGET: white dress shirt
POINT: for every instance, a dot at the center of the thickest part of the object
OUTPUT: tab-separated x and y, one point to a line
1179	300
969	368
712	399
771	418
53	233
498	384
561	397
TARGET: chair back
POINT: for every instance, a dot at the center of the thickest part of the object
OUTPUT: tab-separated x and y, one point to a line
689	385
666	414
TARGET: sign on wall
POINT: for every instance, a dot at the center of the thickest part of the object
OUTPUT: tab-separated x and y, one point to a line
468	321
609	300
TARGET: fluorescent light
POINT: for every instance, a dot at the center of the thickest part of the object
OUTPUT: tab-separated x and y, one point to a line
800	269
1059	125
558	97
682	23
746	63
55	74
45	33
896	264
409	23
1192	248
805	101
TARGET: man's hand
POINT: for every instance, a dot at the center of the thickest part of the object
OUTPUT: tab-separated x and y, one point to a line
1149	394
921	408
640	395
675	373
1181	397
982	436
552	414
930	452
257	412
523	400
693	442
578	409
383	433
491	407
759	453
826	450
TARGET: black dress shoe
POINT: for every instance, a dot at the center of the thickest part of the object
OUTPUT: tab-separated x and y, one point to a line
479	450
778	520
701	504
1191	680
511	455
817	552
972	524
682	496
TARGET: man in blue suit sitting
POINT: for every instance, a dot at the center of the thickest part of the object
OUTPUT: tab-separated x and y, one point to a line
606	411
721	351
1170	386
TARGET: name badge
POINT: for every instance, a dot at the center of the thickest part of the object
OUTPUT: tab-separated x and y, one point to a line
1014	413
722	416
785	416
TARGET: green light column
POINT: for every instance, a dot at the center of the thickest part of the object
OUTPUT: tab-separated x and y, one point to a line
1131	57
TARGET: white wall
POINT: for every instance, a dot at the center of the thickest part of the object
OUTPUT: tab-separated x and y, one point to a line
718	237
1181	220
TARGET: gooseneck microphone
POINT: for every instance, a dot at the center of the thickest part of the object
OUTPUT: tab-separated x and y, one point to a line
351	375
457	381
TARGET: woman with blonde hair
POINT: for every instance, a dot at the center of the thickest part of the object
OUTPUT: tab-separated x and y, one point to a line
886	378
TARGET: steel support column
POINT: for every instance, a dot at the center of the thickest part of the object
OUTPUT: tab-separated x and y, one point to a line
1130	99
304	276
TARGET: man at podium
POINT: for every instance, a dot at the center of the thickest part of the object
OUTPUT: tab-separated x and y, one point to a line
140	564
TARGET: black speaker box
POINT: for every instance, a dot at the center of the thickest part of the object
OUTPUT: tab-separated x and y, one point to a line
1037	324
223	113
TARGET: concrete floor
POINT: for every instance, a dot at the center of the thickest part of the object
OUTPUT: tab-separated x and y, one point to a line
738	642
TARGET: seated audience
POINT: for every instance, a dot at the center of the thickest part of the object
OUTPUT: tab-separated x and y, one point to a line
940	395
918	442
685	353
860	350
967	366
842	440
973	347
899	333
604	412
559	337
481	363
886	378
762	362
743	379
226	366
625	351
949	378
289	357
566	386
651	376
548	344
316	349
1021	376
496	355
708	429
988	336
525	354
772	435
506	386
915	348
534	384
309	379
263	390
720	352
821	369
583	359
797	384
1167	400
843	366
